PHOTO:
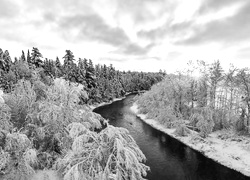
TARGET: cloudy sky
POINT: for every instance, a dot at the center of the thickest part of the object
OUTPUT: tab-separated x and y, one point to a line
143	35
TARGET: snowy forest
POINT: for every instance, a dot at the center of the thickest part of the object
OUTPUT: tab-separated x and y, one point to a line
47	124
216	100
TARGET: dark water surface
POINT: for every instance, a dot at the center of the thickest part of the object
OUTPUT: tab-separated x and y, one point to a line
168	158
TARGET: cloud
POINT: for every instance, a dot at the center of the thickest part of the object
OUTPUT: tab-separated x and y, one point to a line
213	5
8	9
113	59
244	53
134	49
91	27
166	30
143	11
229	30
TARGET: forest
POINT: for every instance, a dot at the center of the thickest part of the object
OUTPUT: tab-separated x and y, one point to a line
101	82
48	126
216	100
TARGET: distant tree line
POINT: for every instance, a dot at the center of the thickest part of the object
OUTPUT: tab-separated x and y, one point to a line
101	82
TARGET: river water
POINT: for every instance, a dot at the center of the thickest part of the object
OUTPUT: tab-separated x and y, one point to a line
168	158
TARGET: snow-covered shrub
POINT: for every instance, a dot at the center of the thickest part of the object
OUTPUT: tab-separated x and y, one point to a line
182	130
167	101
112	153
223	119
76	129
40	89
18	158
4	160
196	138
205	123
5	117
167	118
16	142
20	101
194	119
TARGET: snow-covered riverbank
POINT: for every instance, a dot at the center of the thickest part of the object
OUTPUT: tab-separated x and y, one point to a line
223	147
93	106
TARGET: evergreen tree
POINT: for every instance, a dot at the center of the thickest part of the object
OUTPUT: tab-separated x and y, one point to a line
58	63
23	58
46	66
85	63
36	57
70	71
81	72
7	61
90	75
15	60
68	59
1	60
58	68
28	58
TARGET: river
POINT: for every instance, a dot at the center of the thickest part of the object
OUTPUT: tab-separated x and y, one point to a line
168	158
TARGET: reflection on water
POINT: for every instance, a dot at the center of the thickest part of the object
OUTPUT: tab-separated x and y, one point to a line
168	158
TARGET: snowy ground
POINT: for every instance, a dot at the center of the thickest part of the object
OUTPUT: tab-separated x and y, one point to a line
105	103
46	175
224	147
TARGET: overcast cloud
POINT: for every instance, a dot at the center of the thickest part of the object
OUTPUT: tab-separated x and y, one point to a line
145	35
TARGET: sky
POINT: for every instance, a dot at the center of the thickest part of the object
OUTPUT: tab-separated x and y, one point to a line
141	35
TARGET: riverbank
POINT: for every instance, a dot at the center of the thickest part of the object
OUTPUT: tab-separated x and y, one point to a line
223	147
93	106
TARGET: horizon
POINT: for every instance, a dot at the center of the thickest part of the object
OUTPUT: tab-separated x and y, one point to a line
132	35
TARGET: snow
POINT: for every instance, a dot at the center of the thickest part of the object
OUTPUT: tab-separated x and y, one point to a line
224	147
46	174
1	97
105	103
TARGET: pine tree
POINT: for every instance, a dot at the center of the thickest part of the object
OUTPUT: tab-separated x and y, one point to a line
69	66
1	60
58	63
81	72
28	58
85	63
16	60
7	61
46	65
90	75
36	58
68	59
23	58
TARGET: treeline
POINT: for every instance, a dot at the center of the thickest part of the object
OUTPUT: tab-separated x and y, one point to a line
215	100
101	82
